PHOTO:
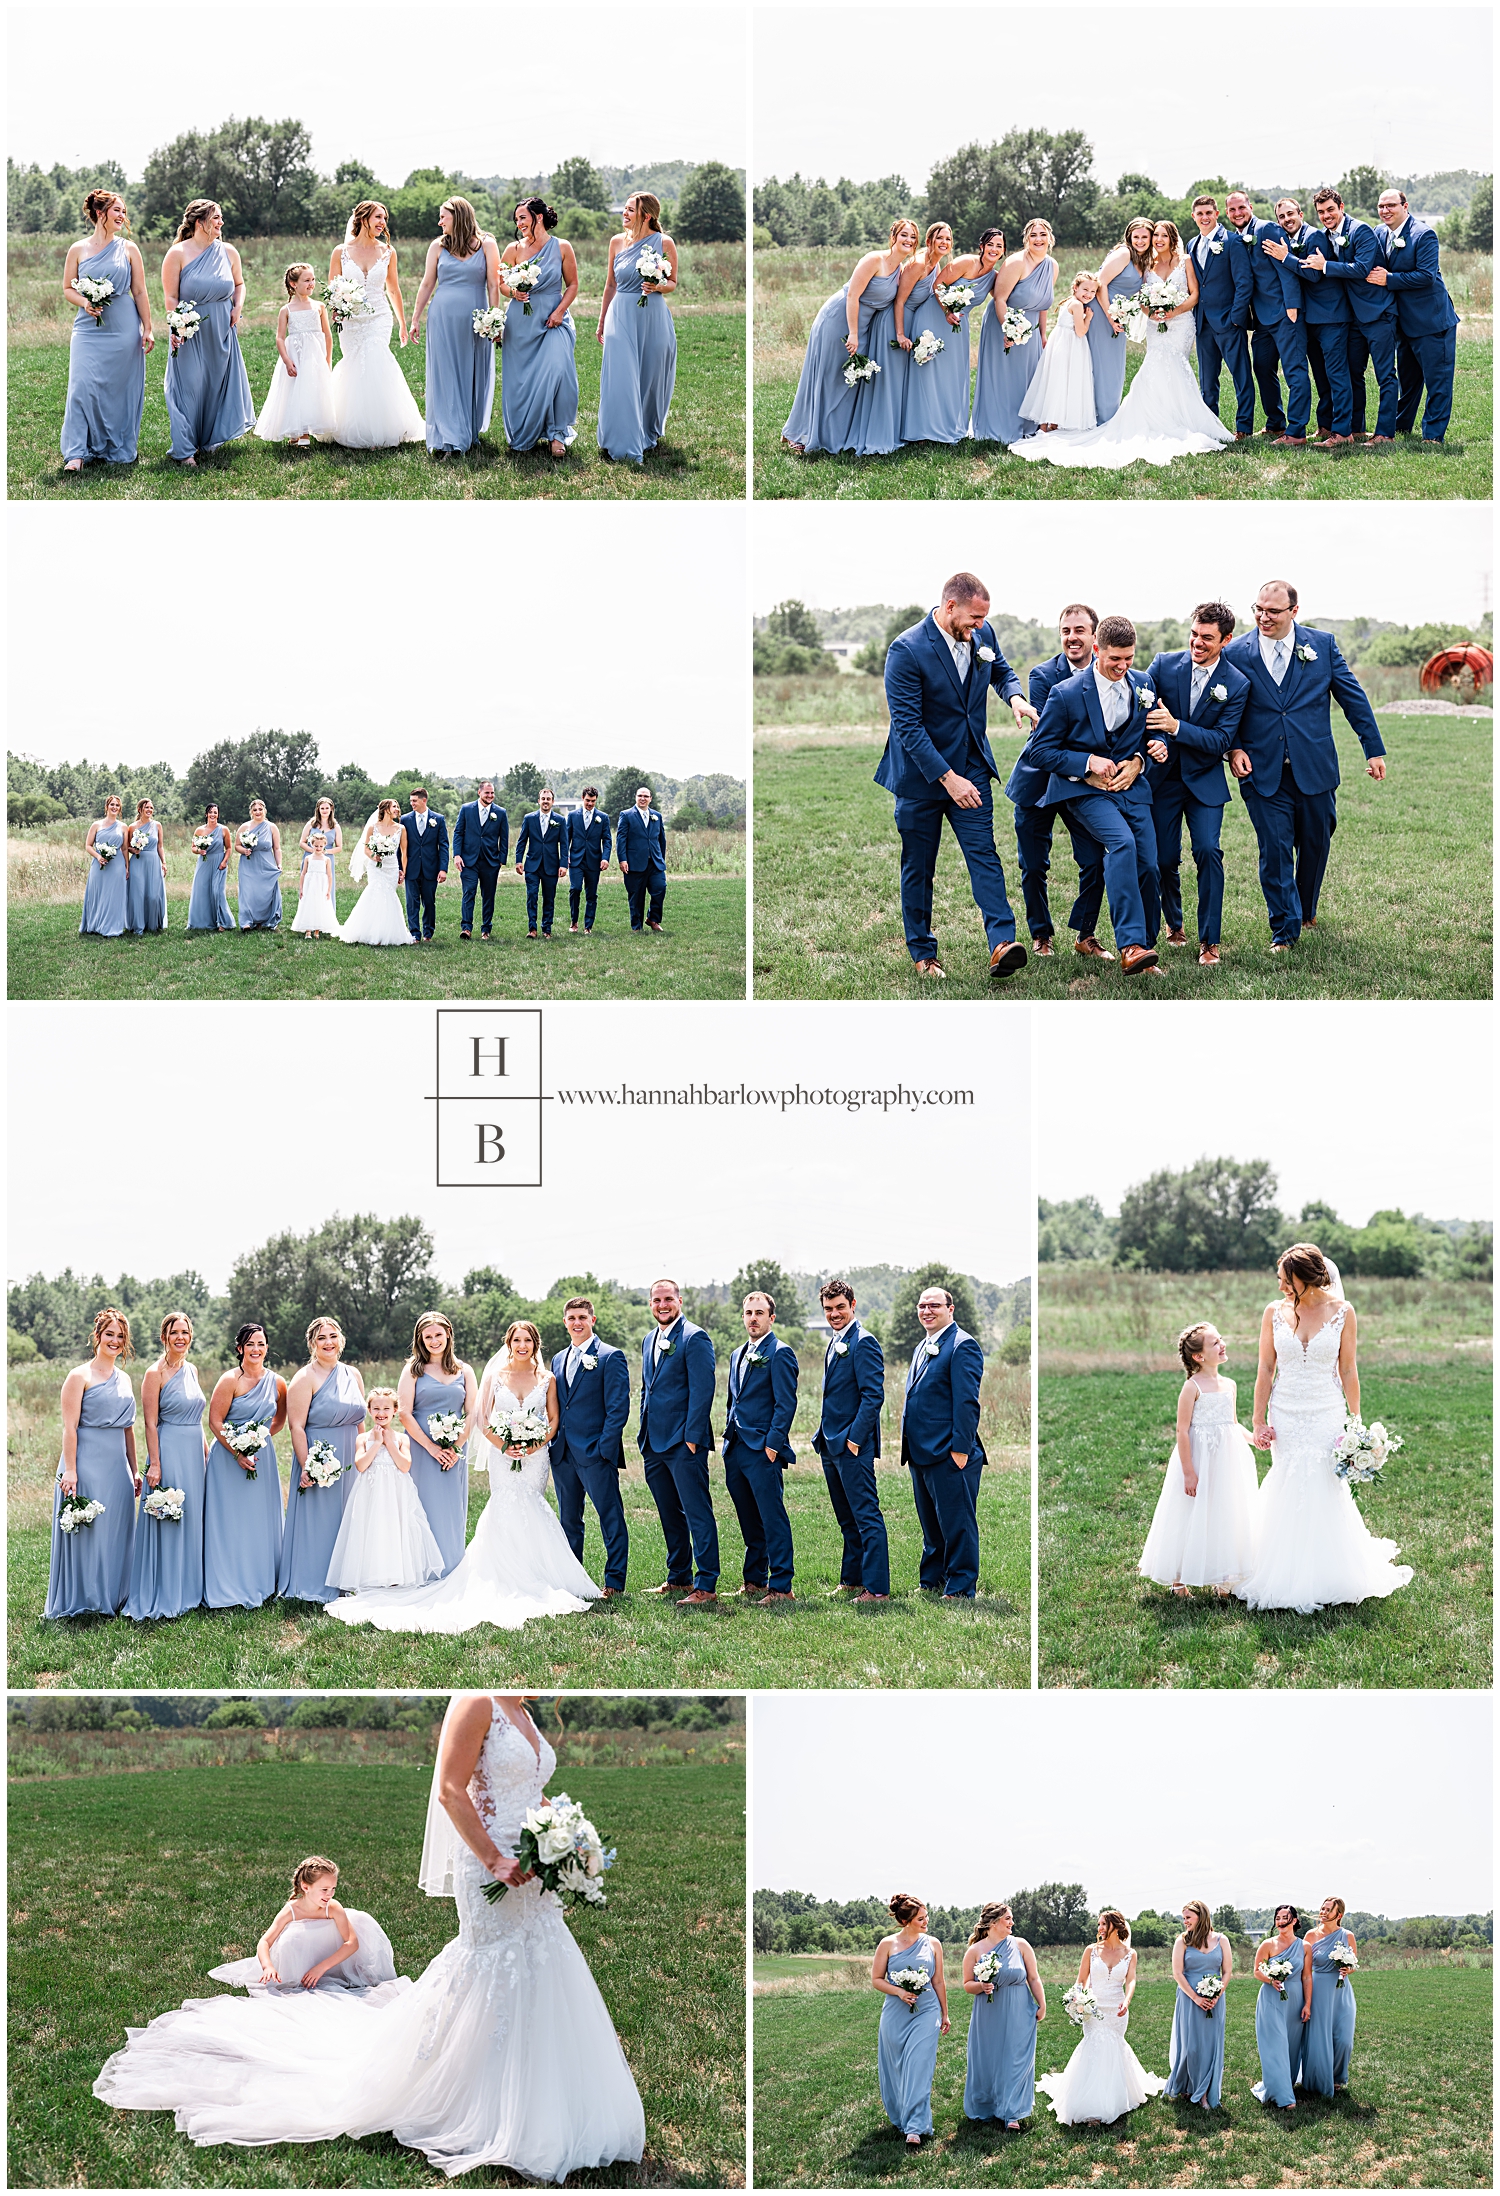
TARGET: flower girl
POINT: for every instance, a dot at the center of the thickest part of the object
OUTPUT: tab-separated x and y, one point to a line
316	908
384	1538
316	1944
1203	1532
300	401
1061	391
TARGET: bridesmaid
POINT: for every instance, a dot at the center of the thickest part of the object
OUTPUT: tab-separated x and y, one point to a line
1328	2005
108	346
208	904
639	368
822	414
325	1402
1278	2014
538	362
241	1515
935	407
208	389
90	1574
322	819
104	895
166	1576
436	1378
1197	2069
1125	268
1004	373
911	2023
258	887
1002	2022
462	276
145	874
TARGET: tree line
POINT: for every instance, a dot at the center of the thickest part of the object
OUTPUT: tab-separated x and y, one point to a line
364	1712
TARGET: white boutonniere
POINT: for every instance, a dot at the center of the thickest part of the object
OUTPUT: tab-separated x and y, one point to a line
751	1357
1398	243
1219	693
667	1348
986	655
589	1364
1145	697
1216	248
1306	654
841	1349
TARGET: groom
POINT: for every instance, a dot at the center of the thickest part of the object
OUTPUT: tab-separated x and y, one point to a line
481	841
940	1446
1199	702
426	864
1225	283
588	1452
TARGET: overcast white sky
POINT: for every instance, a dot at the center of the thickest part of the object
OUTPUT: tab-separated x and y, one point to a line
1407	562
1010	1768
395	87
1364	1106
204	1176
863	91
443	637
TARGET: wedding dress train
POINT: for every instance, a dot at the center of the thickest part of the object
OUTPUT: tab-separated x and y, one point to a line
1104	2079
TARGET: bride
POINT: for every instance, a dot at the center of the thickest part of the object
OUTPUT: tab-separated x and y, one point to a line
503	2053
1163	415
1312	1545
1104	2079
519	1564
379	918
373	409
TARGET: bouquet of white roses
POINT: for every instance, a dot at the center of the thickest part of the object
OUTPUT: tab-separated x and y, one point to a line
1278	1970
1345	1959
1210	1987
203	841
559	1844
96	292
489	322
652	266
247	1441
75	1512
524	1429
105	849
859	369
523	279
1360	1451
926	347
183	323
1015	327
345	299
247	838
1131	315
324	1464
954	297
139	841
914	1979
383	844
1161	298
987	1968
446	1429
1080	2004
165	1503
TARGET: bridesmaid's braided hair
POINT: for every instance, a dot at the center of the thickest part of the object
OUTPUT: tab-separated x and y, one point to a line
538	210
991	1911
904	1907
99	202
1190	1346
111	1316
196	210
310	1870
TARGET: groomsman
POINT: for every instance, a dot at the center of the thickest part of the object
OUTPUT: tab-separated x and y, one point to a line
1034	816
1224	286
941	1448
641	845
1346	258
1199	702
542	853
1427	325
1278	335
758	1449
848	1441
588	1453
1326	319
481	841
676	1438
426	864
588	855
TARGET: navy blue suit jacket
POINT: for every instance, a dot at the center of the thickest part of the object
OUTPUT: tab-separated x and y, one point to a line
642	845
1358	249
543	852
1324	304
853	1394
677	1395
1026	785
1273	287
592	1415
763	1399
940	1411
1414	272
935	718
1225	279
1202	742
485	849
1072	729
589	839
426	851
1289	726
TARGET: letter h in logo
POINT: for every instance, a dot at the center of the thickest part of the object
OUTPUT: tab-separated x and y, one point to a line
488	1099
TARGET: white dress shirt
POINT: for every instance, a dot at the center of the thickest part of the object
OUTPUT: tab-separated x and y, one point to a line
957	649
1268	653
1115	697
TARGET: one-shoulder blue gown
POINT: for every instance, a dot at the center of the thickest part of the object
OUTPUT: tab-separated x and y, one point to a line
90	1573
907	2047
166	1575
105	890
460	364
638	368
822	414
1003	376
106	369
1197	2068
444	1495
1328	2036
1110	352
877	415
146	885
937	394
208	389
241	1515
1002	2043
1278	2034
538	364
208	903
258	886
314	1514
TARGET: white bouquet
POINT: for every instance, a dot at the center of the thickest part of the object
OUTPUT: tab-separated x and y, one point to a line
183	323
247	1441
987	1968
489	322
914	1979
1279	1969
1210	1987
1016	328
1345	1959
324	1464
954	297
75	1512
523	279
139	841
165	1503
1161	298
383	844
446	1429
859	369
926	348
345	299
247	838
1360	1451
524	1429
652	266
97	293
1080	2004
1131	315
559	1844
203	841
105	849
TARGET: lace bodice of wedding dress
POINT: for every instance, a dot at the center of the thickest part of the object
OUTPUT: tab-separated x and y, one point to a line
376	322
1307	1377
1180	333
1108	1986
536	1469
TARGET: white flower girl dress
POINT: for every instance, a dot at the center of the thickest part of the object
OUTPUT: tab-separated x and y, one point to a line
303	406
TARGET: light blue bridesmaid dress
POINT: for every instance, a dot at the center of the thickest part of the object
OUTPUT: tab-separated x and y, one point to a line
538	364
1108	351
1278	2034
146	886
1328	2036
208	903
638	369
1003	376
877	415
460	364
90	1574
1002	2043
258	886
208	389
1197	2066
241	1515
166	1576
822	414
443	1495
314	1514
104	891
106	369
907	2050
937	394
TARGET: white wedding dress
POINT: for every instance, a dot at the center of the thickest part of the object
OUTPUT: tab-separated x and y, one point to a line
1312	1546
517	1566
378	917
502	2054
1162	417
1104	2079
373	409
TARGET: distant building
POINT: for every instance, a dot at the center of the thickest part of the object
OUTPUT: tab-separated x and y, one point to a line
842	652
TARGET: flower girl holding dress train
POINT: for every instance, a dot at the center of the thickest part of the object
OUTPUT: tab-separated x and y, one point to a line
316	914
1203	1531
1061	391
299	404
384	1538
316	1944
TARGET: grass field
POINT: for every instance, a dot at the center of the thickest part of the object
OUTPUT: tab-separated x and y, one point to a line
790	286
1416	2114
183	1869
702	454
1405	912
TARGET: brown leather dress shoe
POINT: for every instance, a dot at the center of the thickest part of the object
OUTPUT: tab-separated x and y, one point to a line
698	1599
1378	438
1135	960
1042	948
930	968
1006	959
672	1586
1209	957
1091	949
1289	442
770	1599
1176	937
749	1591
873	1597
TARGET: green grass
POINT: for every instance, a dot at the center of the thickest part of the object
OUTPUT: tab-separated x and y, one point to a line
790	286
1104	1443
702	455
1405	912
1416	2114
183	1869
